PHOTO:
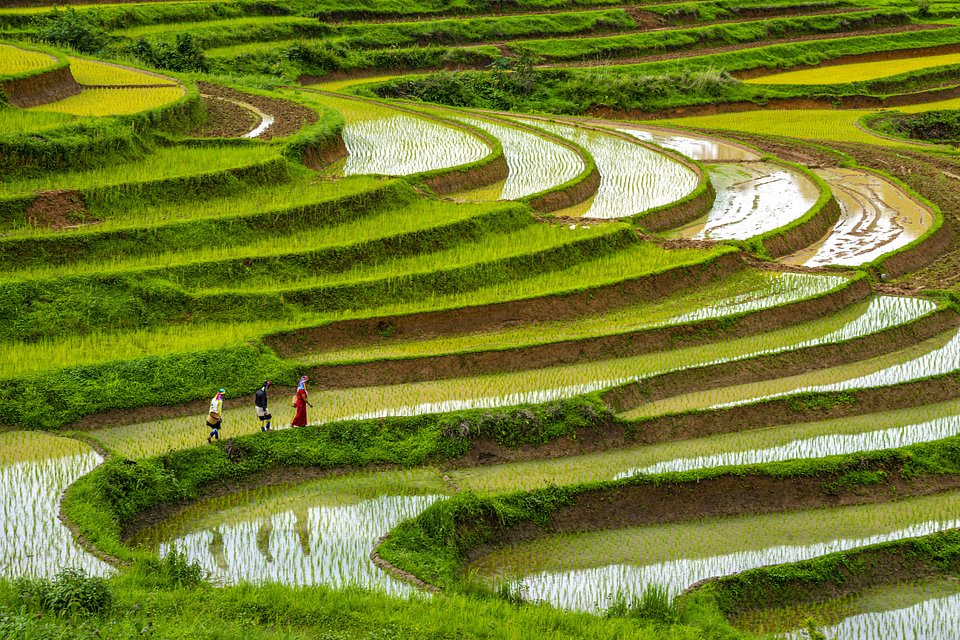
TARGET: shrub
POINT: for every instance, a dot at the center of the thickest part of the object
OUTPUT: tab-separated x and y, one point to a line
71	593
183	55
71	29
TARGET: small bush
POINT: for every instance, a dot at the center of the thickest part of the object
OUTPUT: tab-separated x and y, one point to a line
71	593
71	29
654	605
178	572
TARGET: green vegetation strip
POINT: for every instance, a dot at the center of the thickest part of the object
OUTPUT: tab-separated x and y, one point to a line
436	545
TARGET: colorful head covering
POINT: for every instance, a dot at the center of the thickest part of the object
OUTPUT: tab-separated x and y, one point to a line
303	383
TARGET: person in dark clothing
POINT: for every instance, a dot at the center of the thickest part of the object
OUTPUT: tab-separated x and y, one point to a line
260	403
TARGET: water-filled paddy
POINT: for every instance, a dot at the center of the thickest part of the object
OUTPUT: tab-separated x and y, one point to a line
817	439
689	144
541	385
587	571
877	217
633	178
929	357
536	164
752	198
745	291
320	532
35	469
907	611
384	141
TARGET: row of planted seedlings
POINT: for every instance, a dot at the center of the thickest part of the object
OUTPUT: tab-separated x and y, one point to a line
260	546
249	272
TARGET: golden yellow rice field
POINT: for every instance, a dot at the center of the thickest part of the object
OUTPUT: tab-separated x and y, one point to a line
858	72
114	102
16	60
91	72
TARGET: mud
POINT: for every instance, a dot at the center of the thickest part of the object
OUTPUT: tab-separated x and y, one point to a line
460	365
57	210
773	366
463	320
289	117
44	87
225	119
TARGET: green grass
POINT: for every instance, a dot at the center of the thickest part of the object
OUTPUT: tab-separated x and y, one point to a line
163	164
491	391
282	257
13	120
753	289
606	465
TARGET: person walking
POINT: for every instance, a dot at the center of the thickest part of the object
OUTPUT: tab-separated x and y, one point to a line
214	418
260	403
300	403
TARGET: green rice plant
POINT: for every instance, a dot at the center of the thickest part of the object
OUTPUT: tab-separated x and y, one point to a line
858	72
94	72
493	391
14	120
744	291
578	570
17	61
679	39
114	102
162	164
34	470
404	230
808	439
633	178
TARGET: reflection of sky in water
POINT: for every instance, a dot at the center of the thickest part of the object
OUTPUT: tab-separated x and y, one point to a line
595	589
536	164
755	198
401	145
330	546
34	542
934	619
936	362
633	178
704	149
876	218
816	447
882	312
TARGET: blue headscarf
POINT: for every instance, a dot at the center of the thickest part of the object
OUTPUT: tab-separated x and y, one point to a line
303	383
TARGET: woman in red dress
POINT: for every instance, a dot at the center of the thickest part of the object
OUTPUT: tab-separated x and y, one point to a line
301	402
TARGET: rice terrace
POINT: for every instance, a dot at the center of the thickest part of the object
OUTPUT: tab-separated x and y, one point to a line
461	319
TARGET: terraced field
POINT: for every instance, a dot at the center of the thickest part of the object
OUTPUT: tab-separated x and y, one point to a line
664	349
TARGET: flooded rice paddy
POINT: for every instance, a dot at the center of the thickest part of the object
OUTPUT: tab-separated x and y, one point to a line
746	291
507	389
588	571
689	144
932	357
877	217
321	532
815	447
752	199
35	469
633	178
401	145
701	451
536	164
907	611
